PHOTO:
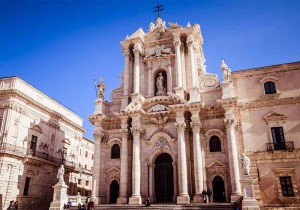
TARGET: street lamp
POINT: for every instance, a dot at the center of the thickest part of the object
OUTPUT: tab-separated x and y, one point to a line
63	153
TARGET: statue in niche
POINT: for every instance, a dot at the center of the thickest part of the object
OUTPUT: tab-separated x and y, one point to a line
161	91
245	161
60	174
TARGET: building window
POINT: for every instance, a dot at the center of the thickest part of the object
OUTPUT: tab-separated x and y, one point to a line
86	153
115	151
87	183
269	87
92	156
79	181
286	186
214	144
33	143
278	138
26	188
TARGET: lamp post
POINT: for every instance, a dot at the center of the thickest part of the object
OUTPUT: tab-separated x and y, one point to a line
63	153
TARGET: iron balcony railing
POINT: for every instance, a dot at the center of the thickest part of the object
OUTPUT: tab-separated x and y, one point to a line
289	146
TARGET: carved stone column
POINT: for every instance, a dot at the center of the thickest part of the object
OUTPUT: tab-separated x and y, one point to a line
194	93
136	167
169	78
124	168
150	82
183	197
151	182
125	79
96	168
179	88
233	160
136	82
198	167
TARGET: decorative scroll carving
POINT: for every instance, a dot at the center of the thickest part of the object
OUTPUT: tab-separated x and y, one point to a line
158	108
113	173
161	143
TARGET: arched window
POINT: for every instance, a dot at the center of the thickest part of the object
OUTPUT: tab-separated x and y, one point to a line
270	87
115	151
214	144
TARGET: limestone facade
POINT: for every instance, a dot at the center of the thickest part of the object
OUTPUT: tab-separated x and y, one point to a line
37	135
173	130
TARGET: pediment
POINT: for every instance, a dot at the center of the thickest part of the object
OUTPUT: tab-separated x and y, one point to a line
216	163
112	170
161	103
139	34
274	116
136	104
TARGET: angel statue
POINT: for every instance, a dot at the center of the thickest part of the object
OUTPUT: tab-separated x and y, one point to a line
226	70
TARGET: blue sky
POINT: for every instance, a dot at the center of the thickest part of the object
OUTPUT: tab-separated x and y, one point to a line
60	47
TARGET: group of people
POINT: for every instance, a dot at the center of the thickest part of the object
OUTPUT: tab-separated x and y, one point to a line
13	205
88	205
206	195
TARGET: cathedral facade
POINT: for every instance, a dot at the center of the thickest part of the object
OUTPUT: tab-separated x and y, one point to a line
173	130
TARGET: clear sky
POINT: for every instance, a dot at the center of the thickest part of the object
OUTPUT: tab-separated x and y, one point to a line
60	47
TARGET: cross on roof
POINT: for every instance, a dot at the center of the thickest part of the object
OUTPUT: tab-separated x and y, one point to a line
158	8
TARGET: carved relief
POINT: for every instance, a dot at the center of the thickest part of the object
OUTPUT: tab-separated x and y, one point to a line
158	52
161	143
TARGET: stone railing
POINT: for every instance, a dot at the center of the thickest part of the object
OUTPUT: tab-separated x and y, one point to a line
289	146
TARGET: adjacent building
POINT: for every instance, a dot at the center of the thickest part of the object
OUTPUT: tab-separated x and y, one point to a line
173	130
37	135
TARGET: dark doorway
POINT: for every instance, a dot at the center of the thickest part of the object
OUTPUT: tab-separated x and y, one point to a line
163	173
113	191
218	189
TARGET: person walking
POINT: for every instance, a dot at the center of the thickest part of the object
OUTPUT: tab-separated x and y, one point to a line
204	193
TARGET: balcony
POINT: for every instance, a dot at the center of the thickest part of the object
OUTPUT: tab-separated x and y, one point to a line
12	149
289	146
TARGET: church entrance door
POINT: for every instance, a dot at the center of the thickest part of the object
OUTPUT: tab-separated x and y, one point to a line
163	173
113	191
218	189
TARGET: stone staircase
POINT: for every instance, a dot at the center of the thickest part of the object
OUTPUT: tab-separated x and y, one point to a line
209	206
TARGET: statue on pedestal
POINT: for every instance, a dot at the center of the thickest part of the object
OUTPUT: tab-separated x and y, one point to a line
60	174
226	70
101	88
245	161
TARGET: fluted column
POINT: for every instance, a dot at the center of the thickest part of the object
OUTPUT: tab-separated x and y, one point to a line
198	167
125	79
137	50
151	182
183	197
96	168
233	158
190	45
136	167
170	78
124	168
179	87
175	181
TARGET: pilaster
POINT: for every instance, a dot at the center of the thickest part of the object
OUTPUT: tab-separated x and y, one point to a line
124	101
179	88
136	82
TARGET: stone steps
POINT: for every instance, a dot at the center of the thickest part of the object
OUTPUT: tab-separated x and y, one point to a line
210	206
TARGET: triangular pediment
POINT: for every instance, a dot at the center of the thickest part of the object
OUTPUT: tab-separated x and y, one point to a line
216	163
274	116
139	34
113	170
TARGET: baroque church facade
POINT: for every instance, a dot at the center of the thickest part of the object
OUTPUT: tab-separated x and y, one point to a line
173	130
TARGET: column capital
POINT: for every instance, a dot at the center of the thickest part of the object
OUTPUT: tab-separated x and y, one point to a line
151	165
229	123
98	135
124	133
137	131
137	48
125	53
177	42
196	126
180	126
